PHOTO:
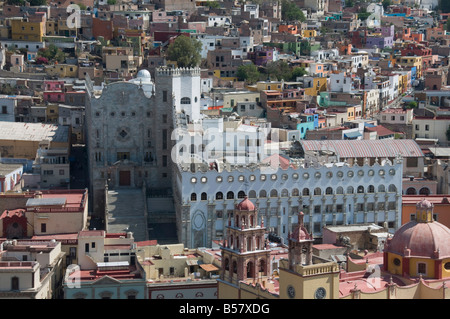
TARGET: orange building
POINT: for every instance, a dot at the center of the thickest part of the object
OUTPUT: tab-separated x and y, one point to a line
441	204
288	28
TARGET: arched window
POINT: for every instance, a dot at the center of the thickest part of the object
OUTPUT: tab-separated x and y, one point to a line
381	189
360	189
339	190
241	194
273	193
317	191
392	188
350	190
185	100
371	189
219	195
284	193
193	197
424	191
329	191
227	264
234	266
305	192
262	266
204	196
262	193
252	194
295	192
230	195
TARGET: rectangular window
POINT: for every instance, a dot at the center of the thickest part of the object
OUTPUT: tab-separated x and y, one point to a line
164	160
317	227
317	209
164	139
4	109
43	228
164	96
61	172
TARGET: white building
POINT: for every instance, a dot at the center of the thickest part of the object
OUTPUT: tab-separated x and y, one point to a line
219	21
340	82
30	269
328	193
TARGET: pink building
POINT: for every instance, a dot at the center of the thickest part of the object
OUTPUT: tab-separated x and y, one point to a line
54	91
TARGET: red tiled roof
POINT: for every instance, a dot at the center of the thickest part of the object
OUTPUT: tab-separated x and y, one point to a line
381	130
11	213
147	243
91	233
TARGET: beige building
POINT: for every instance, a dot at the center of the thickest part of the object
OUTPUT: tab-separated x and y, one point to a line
174	271
121	60
53	166
43	213
433	128
231	99
31	269
22	140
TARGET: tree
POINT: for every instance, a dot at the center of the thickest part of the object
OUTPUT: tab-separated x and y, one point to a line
279	70
298	72
305	48
212	4
41	60
15	2
185	51
111	2
38	3
444	6
291	12
52	52
411	105
248	73
386	4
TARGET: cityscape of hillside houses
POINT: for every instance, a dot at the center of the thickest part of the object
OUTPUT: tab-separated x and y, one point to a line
224	149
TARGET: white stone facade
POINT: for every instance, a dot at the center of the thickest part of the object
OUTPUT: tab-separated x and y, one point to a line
329	194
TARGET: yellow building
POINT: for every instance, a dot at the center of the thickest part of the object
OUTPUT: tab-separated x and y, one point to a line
309	33
420	248
22	140
319	84
23	30
62	70
51	28
219	74
412	61
269	85
52	113
414	265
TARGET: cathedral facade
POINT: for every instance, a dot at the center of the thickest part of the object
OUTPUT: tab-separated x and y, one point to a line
129	129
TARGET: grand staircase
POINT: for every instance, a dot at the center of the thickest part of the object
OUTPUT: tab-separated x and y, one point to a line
127	212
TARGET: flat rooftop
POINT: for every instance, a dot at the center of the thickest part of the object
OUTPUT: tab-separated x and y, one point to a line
33	132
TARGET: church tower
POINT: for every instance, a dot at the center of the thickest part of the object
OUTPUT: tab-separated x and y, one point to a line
244	254
300	245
